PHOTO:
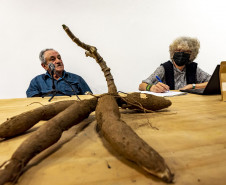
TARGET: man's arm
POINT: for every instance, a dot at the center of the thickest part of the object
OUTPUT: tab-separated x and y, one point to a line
84	86
33	90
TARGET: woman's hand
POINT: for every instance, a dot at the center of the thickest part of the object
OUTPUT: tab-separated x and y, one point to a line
159	88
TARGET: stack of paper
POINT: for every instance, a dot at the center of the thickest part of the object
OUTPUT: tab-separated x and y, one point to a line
165	94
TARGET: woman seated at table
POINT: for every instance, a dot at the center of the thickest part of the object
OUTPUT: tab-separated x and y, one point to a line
180	72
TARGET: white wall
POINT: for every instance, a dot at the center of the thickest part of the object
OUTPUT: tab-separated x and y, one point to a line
131	35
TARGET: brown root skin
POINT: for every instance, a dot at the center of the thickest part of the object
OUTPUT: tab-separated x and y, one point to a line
125	141
45	136
144	102
22	122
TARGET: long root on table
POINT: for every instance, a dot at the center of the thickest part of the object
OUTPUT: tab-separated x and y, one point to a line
22	122
143	102
125	141
45	136
118	133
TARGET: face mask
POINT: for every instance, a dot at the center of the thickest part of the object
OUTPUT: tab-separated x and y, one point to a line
181	58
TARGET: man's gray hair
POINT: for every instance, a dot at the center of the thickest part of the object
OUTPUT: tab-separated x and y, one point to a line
41	55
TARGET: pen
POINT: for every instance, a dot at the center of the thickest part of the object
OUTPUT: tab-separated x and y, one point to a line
159	79
161	82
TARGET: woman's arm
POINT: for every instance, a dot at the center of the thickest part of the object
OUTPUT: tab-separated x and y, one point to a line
142	86
197	86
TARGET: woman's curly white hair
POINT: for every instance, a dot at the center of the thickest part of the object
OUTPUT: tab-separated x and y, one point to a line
185	44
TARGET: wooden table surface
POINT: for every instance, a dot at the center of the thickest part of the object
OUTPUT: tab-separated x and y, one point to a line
190	135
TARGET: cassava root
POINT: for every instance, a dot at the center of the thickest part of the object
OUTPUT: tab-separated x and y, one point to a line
125	141
143	102
22	122
45	136
121	137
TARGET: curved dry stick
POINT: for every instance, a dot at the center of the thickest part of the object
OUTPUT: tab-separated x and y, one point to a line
45	136
22	122
92	52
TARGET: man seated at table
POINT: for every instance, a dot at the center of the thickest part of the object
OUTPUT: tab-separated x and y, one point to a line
180	72
65	83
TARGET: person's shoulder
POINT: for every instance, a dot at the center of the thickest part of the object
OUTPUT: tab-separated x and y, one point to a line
169	62
194	63
39	77
72	75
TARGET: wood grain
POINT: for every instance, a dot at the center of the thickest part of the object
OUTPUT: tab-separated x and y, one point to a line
190	135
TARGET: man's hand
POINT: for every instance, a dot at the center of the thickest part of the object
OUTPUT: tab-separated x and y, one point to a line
159	88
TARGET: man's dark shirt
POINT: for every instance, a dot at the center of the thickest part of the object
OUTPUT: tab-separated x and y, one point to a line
69	84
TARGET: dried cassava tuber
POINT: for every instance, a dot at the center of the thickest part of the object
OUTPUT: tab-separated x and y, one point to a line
125	141
120	136
45	136
22	122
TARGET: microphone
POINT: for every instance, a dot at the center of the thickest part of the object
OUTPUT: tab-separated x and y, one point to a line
51	67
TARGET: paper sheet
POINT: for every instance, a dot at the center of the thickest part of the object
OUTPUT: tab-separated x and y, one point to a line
165	94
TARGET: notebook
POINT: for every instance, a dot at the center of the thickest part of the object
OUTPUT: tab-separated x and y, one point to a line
213	86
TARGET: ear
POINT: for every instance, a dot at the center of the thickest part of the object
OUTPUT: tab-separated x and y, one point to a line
45	66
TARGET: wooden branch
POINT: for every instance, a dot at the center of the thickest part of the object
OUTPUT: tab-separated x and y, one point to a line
92	52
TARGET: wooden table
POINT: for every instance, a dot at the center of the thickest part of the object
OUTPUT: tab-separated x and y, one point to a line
190	135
